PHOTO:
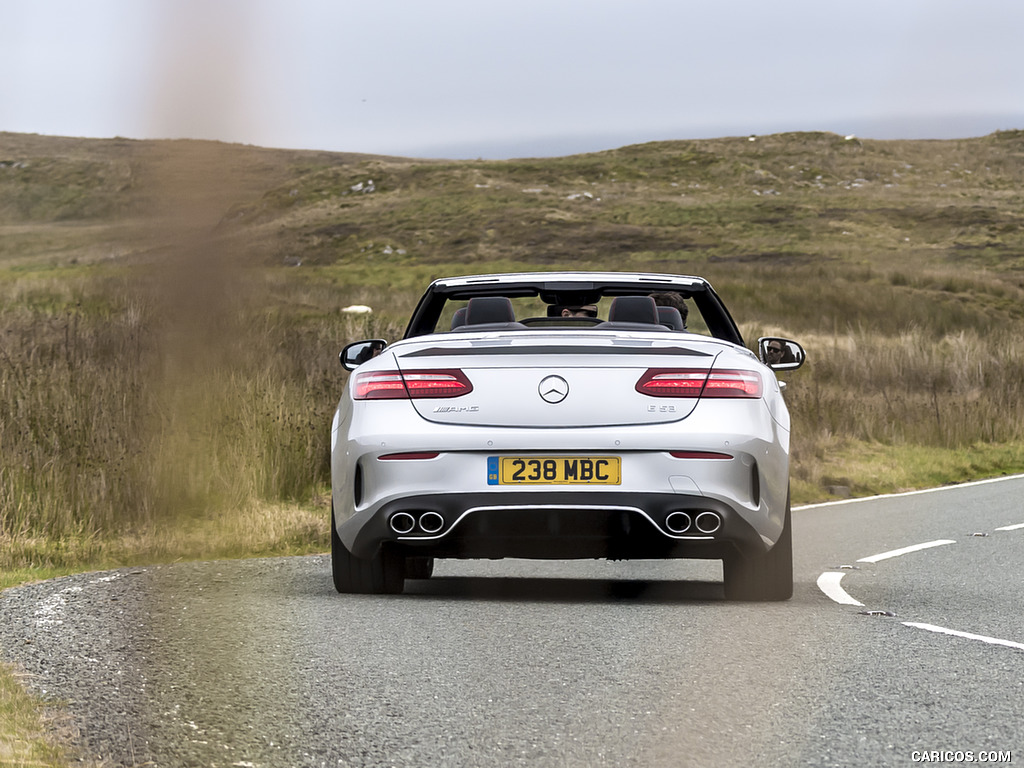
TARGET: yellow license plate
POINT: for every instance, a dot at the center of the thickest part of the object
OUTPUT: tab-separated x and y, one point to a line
554	470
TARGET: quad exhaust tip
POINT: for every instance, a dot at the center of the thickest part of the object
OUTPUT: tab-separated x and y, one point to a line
708	522
431	522
402	523
678	522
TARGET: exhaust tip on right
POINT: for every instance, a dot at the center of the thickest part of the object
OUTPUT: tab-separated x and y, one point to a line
708	522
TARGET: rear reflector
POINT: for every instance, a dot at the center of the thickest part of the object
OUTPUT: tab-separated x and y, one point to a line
403	385
679	382
408	456
699	455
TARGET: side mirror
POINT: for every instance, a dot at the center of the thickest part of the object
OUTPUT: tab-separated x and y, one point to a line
358	352
780	354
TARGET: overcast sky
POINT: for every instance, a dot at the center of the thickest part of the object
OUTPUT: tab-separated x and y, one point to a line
501	78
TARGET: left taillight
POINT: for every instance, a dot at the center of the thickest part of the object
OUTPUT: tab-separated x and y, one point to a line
685	382
405	385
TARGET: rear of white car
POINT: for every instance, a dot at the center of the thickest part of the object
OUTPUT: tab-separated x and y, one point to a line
562	444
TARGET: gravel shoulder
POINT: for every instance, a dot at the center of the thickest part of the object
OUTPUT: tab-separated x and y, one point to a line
139	656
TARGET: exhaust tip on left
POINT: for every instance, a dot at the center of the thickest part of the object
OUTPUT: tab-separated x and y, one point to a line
431	522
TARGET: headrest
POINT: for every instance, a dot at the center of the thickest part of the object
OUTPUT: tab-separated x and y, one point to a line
633	309
459	318
489	309
671	317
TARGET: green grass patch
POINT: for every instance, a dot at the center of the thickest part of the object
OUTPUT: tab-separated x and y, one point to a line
870	469
26	728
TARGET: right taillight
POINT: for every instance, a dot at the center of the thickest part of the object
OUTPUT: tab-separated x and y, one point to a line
404	385
686	382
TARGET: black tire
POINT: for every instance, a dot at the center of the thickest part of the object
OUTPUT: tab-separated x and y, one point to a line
382	574
762	577
419	567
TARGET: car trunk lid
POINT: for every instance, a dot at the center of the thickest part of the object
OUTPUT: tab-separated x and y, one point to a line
535	380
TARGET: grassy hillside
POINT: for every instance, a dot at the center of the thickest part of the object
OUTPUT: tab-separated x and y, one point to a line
171	310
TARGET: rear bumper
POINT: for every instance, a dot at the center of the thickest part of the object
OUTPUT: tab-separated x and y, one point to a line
613	525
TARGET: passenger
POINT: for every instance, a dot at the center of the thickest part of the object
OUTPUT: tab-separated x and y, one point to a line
674	300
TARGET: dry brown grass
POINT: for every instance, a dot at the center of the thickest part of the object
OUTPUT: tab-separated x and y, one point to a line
166	360
168	371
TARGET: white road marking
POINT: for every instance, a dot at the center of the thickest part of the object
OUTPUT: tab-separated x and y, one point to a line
905	550
967	635
828	583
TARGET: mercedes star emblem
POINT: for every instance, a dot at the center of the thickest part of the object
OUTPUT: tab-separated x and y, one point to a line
553	389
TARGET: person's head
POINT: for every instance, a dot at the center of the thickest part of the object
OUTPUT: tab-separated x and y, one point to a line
671	299
583	310
774	350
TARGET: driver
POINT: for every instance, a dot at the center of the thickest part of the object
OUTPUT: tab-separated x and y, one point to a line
582	310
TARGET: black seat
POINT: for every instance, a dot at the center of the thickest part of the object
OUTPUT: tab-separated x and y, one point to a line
633	309
671	317
632	313
489	309
490	313
459	318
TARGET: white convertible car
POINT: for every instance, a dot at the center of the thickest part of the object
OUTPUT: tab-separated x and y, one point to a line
564	415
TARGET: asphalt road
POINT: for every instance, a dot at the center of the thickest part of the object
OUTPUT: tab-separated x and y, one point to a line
520	663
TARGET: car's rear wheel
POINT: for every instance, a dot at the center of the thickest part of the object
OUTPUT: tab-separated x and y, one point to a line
384	573
762	577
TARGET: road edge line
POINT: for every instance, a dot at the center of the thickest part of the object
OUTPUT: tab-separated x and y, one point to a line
965	635
840	502
905	550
